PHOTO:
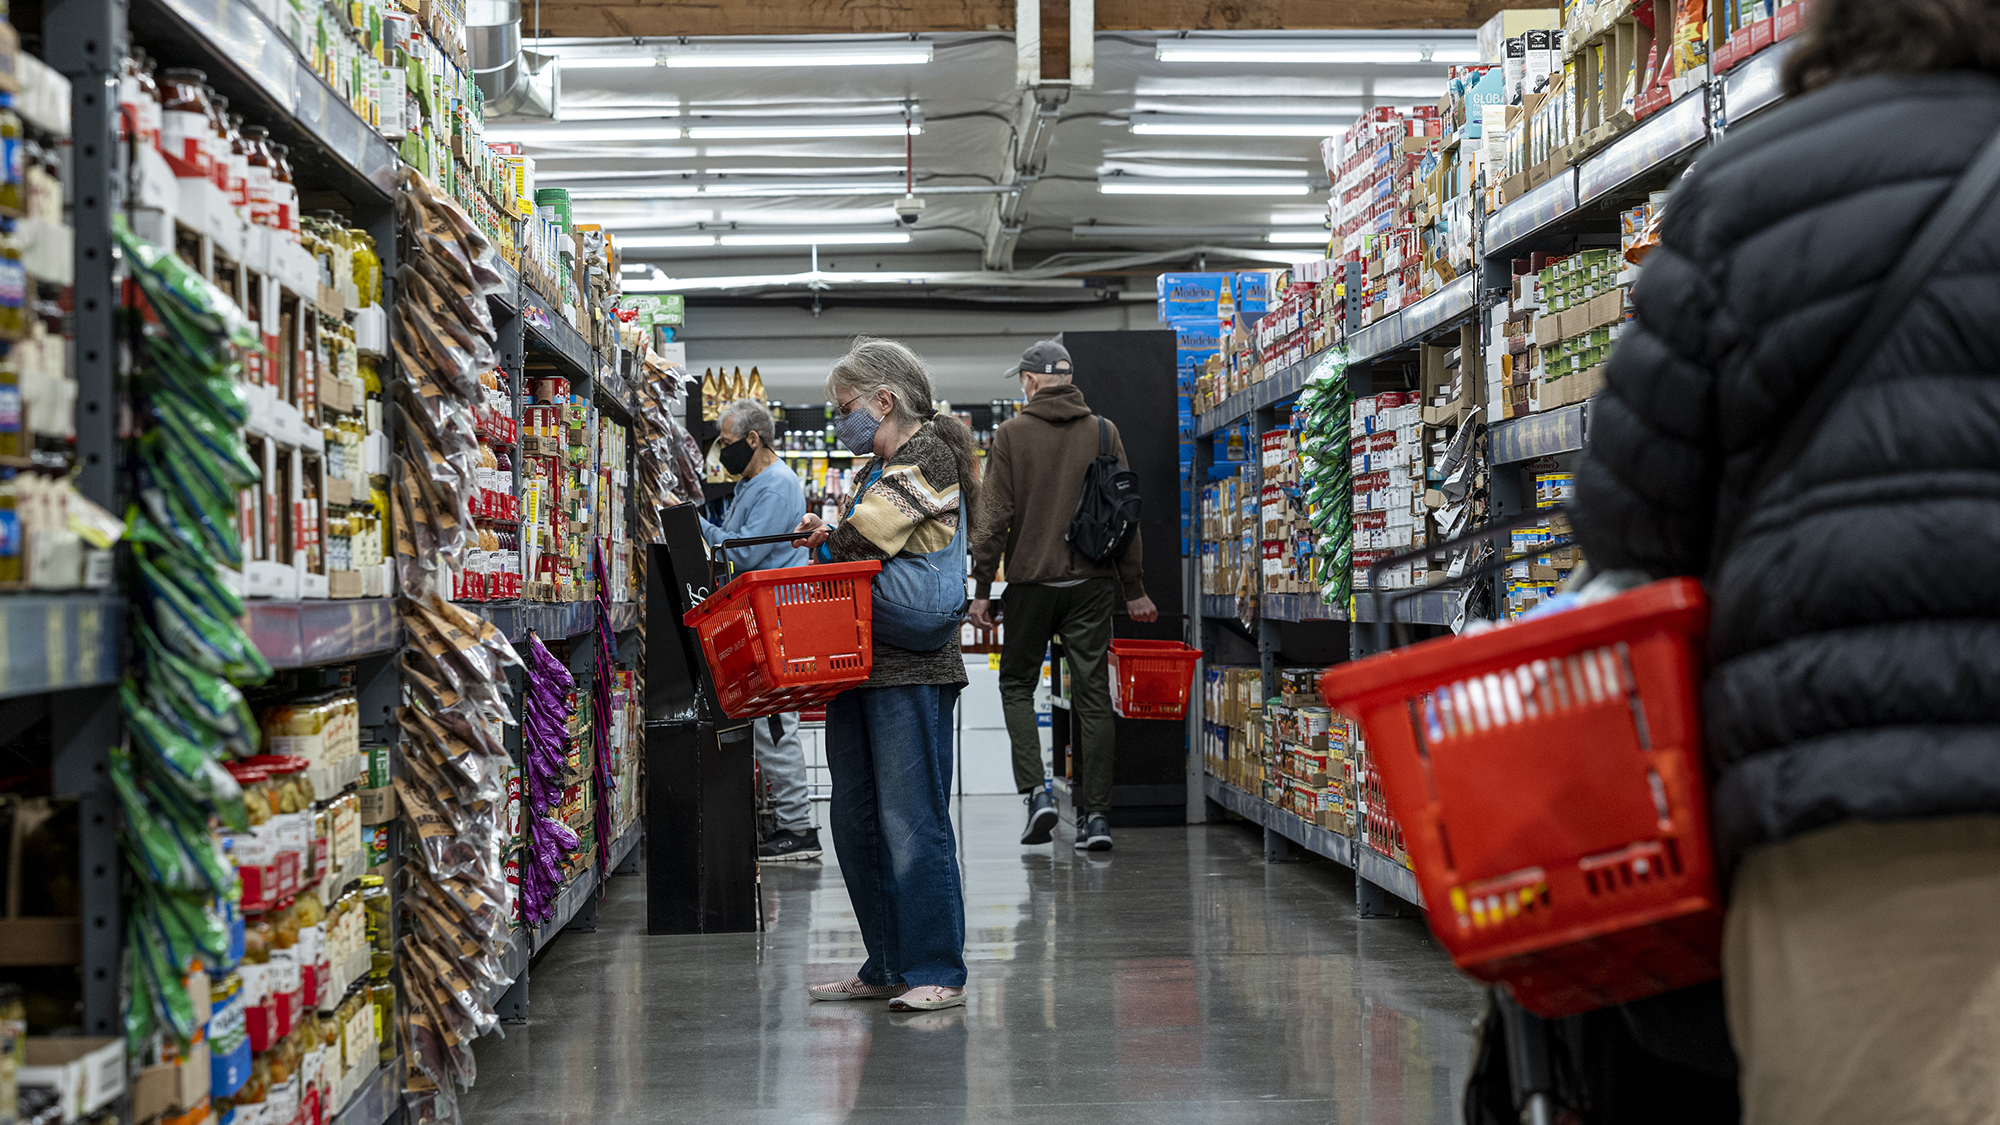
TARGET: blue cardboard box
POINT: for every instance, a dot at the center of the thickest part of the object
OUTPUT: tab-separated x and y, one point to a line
1203	296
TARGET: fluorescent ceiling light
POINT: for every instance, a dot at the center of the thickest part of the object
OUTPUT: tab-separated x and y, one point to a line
605	62
568	134
1350	52
1165	125
826	238
803	54
1136	186
759	191
800	129
662	241
635	267
1300	237
668	191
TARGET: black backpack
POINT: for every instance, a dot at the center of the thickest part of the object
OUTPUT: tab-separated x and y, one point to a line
1107	512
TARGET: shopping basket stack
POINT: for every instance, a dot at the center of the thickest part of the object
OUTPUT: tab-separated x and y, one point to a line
783	640
1151	679
1548	778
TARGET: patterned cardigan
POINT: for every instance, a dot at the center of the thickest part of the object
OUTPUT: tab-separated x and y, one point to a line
913	507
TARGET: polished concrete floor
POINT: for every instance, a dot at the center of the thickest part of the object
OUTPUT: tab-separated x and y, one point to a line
1177	978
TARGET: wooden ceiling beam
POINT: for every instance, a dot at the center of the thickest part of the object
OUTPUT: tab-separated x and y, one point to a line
640	18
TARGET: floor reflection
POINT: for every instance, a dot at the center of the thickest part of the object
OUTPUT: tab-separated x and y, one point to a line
1176	979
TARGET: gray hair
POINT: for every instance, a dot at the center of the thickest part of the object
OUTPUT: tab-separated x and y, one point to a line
748	416
873	364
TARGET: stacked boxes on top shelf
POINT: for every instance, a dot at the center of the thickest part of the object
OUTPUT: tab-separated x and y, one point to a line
1374	170
1752	25
1201	310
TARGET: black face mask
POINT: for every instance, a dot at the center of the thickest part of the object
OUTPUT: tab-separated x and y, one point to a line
736	456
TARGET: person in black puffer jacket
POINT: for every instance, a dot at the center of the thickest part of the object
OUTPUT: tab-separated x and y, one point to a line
1853	699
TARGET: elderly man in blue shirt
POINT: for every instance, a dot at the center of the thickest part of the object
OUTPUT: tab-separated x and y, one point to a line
769	500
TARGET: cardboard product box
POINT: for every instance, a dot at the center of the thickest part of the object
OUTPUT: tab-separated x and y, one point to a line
173	1089
86	1073
378	806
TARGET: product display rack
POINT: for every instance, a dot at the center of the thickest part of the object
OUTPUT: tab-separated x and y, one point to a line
62	653
1597	180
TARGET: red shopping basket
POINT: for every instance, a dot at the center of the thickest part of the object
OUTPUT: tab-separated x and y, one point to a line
1548	778
1150	679
780	640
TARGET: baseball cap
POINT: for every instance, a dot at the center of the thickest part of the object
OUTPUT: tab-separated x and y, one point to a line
1044	357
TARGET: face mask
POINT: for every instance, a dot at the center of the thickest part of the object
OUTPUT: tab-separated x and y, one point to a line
736	456
857	430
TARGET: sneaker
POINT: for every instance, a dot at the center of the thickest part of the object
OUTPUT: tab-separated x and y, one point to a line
853	989
928	998
787	846
1041	817
1093	834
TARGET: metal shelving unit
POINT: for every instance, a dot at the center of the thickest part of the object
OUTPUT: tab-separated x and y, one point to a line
575	909
1546	434
323	631
558	339
59	642
379	1099
1574	200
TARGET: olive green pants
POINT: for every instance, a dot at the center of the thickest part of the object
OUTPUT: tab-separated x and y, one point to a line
1081	615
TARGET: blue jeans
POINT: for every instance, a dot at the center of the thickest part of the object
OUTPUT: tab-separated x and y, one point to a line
889	750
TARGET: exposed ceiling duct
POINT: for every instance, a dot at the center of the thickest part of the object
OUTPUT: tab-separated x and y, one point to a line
515	83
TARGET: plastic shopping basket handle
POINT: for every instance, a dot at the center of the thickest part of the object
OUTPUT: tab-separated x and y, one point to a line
1383	601
763	540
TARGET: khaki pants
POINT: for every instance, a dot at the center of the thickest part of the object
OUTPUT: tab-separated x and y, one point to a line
1862	969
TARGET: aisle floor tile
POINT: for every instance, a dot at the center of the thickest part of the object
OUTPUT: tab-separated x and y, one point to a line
1178	978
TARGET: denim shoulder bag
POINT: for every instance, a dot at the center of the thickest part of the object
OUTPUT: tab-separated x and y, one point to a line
919	598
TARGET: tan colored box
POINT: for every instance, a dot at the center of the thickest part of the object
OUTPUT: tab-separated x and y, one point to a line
378	806
159	1091
343	583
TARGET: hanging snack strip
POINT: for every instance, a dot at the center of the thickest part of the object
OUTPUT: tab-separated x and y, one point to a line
443	344
452	791
451	780
1321	417
181	700
670	466
545	723
600	714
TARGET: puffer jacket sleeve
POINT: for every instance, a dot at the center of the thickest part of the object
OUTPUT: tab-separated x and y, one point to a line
1646	489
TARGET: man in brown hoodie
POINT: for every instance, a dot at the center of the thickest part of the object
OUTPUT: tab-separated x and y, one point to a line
1033	478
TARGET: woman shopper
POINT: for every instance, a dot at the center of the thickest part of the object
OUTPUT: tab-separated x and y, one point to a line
889	741
1852	704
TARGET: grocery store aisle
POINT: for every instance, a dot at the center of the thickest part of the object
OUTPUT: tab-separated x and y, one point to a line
1177	978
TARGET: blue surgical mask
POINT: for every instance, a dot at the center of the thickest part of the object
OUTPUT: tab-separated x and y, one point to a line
857	430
